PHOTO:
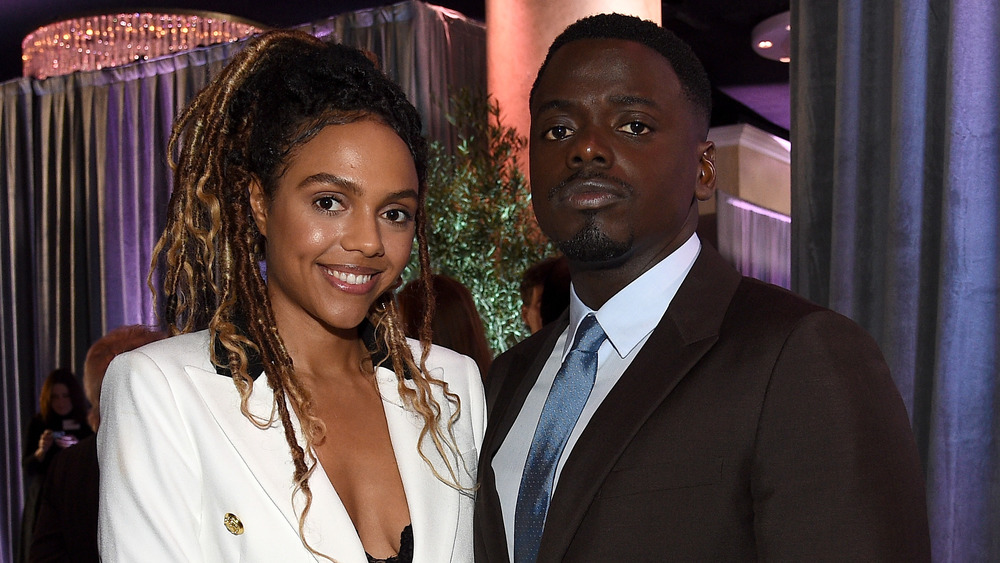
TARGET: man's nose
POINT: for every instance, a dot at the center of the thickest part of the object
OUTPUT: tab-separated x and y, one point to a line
590	147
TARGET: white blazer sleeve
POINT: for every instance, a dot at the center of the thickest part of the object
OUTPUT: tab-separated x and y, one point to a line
149	505
477	404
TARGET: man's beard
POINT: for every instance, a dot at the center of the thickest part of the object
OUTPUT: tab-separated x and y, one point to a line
593	245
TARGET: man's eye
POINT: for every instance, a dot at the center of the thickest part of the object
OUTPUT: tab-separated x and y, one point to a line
558	132
635	128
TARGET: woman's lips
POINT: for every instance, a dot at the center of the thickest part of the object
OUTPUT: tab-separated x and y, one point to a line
351	282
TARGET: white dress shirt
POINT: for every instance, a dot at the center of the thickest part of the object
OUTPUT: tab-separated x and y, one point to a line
628	318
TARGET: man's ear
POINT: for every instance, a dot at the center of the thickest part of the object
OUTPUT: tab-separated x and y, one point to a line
705	187
258	207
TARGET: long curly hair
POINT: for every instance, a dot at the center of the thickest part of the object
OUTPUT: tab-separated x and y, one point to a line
275	95
65	377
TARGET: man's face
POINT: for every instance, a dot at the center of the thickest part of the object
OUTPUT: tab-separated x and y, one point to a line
616	156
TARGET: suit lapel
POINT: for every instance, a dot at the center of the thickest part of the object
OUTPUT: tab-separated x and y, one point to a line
520	378
520	375
687	331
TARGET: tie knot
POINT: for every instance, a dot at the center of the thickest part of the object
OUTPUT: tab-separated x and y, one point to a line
589	336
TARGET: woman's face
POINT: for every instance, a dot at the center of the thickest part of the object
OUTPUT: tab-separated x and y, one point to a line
60	400
339	226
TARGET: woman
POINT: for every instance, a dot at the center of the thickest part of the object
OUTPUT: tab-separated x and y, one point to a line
455	322
60	423
301	424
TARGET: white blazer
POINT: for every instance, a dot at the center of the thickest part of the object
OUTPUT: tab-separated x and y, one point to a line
177	456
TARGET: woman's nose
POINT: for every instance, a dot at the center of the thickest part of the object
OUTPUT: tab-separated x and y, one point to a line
363	235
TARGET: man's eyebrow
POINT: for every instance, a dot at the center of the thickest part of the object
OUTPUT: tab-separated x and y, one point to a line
616	100
632	101
554	104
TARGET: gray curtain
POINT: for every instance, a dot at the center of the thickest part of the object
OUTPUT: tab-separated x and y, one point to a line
431	52
896	207
85	183
756	241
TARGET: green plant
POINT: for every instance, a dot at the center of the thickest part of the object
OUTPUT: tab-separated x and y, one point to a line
481	230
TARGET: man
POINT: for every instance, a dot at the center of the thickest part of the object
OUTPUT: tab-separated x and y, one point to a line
67	518
729	420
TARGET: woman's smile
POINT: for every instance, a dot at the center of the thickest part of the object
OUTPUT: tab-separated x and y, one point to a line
344	209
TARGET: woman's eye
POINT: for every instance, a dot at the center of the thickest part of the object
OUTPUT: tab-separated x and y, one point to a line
328	203
635	128
398	215
558	132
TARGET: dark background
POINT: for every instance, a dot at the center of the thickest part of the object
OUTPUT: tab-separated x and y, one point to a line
718	30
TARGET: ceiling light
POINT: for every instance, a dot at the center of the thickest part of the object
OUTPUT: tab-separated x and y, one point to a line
772	38
101	41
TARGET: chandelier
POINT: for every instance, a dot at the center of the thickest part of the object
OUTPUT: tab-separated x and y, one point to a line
101	41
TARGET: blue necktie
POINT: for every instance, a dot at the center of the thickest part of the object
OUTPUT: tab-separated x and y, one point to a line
562	409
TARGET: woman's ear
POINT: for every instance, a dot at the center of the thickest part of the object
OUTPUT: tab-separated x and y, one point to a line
258	207
705	187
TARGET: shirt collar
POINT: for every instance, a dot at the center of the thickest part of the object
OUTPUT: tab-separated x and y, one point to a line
632	313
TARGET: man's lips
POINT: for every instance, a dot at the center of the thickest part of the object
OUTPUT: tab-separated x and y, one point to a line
591	193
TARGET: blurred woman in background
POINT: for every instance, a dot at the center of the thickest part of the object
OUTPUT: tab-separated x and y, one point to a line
455	322
61	422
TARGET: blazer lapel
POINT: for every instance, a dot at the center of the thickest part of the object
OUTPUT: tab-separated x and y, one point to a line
433	504
328	527
687	331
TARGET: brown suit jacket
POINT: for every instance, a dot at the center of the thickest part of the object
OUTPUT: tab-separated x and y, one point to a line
752	425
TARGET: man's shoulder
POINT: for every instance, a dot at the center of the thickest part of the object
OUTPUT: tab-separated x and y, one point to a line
761	311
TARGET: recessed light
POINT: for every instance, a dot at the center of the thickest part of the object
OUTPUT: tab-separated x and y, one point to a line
771	38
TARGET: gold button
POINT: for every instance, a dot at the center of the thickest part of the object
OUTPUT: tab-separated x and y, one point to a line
233	524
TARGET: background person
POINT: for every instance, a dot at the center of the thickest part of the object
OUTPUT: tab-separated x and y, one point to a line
60	423
66	528
544	292
289	419
679	411
455	322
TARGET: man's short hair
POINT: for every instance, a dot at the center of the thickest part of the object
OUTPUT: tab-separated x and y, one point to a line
687	67
536	275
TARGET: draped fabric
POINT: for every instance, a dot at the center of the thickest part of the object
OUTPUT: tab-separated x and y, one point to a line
431	53
756	241
85	185
896	207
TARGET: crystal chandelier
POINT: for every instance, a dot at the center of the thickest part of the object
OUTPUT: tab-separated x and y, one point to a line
101	41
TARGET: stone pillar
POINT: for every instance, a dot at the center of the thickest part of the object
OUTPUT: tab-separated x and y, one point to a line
518	33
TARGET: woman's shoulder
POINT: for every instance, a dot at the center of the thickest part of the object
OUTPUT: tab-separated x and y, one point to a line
186	344
175	352
459	371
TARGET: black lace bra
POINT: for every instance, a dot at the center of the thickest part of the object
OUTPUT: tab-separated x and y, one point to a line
405	554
